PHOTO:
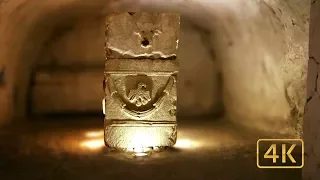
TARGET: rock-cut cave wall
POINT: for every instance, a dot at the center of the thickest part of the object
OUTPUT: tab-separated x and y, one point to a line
260	47
69	73
311	125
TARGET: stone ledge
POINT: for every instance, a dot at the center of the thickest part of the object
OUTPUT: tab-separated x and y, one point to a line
141	65
140	135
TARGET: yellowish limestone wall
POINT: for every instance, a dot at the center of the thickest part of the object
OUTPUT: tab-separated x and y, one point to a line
74	63
261	47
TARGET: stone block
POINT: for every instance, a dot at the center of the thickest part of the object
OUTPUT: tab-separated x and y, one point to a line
132	136
142	35
140	90
141	80
140	98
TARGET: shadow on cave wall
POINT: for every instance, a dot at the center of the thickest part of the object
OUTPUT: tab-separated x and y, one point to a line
261	48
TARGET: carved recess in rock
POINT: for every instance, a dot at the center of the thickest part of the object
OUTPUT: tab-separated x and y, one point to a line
142	35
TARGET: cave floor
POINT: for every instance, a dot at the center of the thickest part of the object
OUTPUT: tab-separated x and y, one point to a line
60	149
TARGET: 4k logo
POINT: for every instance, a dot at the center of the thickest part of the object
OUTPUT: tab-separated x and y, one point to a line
280	153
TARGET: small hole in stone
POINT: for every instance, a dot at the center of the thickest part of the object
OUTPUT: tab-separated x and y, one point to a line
145	42
131	13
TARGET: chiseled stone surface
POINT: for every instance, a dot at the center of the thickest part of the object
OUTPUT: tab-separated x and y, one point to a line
141	94
311	136
142	34
124	136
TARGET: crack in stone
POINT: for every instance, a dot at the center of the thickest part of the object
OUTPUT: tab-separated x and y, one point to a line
314	59
309	98
316	83
114	52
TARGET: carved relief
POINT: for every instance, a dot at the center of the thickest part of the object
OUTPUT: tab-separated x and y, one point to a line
140	97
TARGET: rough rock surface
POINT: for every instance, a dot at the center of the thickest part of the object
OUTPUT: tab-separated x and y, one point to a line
131	35
311	127
262	49
261	46
143	90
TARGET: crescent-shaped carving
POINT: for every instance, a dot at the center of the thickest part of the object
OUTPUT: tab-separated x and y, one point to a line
140	114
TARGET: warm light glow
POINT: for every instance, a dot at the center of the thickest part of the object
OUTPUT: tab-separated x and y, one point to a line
140	154
95	140
94	134
141	142
93	144
138	149
184	143
104	106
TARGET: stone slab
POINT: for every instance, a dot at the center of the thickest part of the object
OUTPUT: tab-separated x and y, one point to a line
142	35
140	97
128	136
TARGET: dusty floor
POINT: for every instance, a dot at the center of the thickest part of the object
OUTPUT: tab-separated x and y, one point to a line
58	149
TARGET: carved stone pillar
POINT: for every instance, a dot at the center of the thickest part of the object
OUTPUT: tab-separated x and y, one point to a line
141	80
